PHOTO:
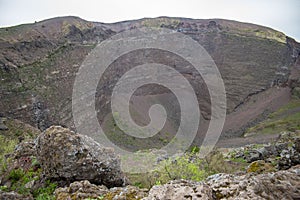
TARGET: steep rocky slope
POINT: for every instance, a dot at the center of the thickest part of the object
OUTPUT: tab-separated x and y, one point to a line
38	65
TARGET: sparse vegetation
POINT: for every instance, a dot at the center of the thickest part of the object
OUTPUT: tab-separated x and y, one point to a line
180	168
188	166
20	178
46	192
7	146
160	22
286	118
10	138
21	181
99	198
293	104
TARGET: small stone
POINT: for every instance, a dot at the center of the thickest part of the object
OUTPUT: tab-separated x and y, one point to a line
2	125
254	155
30	184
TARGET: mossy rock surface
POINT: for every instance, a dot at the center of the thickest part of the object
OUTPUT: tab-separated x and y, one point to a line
260	166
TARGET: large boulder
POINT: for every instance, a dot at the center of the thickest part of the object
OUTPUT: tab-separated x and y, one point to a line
65	155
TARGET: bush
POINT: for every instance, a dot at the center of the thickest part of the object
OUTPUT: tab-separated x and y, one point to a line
215	163
180	168
46	192
188	166
19	178
45	197
7	146
16	174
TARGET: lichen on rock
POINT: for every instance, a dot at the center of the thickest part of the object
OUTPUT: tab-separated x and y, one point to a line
283	184
81	190
68	156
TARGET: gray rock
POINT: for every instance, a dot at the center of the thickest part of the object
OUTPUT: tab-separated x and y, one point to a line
24	149
288	158
280	147
14	196
253	156
65	155
30	184
296	92
180	189
215	177
268	151
82	190
2	125
297	144
239	152
276	185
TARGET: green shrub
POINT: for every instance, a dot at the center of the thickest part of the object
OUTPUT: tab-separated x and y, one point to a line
45	192
182	167
98	198
194	149
45	197
16	174
215	163
238	160
188	166
7	146
4	188
138	184
19	178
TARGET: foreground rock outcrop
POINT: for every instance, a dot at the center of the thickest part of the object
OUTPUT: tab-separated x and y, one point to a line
84	190
67	156
278	185
80	168
14	196
180	189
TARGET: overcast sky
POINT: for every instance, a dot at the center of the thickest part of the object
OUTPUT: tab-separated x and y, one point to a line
282	15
